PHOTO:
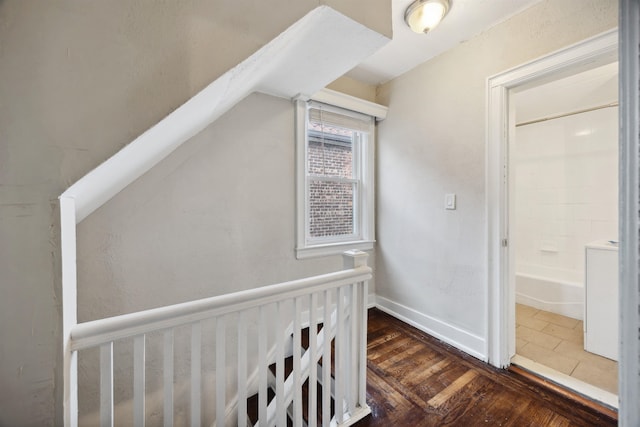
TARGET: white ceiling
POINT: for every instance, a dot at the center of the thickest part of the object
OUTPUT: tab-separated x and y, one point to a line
466	18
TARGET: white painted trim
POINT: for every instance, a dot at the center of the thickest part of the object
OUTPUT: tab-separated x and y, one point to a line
101	331
332	249
352	103
457	337
70	310
598	50
587	390
629	222
300	113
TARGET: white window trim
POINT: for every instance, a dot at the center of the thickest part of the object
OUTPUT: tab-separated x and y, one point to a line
366	238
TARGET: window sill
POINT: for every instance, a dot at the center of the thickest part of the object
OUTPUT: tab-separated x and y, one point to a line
313	251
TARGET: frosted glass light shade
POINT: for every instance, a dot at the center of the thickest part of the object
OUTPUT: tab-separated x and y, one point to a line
423	15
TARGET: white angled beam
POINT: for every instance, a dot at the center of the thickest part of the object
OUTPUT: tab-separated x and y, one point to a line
292	63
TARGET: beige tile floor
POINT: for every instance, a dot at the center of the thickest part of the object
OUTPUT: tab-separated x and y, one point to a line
557	342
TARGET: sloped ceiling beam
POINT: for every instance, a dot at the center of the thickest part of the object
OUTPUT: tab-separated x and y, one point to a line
320	47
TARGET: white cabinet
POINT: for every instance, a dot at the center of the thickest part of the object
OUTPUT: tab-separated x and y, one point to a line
601	299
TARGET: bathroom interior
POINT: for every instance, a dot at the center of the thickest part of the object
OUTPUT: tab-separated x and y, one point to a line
563	219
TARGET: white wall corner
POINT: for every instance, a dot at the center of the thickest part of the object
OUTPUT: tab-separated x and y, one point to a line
371	301
459	338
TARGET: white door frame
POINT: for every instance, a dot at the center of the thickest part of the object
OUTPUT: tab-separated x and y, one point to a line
593	52
629	364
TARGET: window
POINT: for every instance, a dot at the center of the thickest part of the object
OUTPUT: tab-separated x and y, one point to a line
335	179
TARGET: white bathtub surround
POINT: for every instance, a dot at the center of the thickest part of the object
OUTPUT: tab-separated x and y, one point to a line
566	191
566	172
545	292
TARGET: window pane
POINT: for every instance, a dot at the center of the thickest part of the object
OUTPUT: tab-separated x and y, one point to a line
330	151
330	209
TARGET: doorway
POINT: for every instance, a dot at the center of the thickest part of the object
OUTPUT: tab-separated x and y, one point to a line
563	227
588	55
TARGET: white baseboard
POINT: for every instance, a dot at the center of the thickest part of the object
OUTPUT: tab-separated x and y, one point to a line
459	338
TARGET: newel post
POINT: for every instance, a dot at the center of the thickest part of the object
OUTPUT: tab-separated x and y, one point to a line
354	259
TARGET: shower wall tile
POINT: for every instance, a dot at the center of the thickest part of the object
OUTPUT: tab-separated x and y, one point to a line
566	190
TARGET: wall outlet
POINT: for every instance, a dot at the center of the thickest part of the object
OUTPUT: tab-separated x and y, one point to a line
450	201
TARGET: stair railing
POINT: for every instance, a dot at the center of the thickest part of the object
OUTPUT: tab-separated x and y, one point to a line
336	301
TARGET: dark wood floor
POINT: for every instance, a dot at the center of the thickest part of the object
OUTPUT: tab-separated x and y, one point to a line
416	380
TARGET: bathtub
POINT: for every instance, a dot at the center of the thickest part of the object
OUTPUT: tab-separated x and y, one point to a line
565	297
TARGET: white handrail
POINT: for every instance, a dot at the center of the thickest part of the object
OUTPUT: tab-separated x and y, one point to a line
96	332
344	321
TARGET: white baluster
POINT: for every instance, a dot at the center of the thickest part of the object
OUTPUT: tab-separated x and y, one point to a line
297	384
280	408
221	370
168	378
354	341
326	361
196	374
106	385
242	369
313	351
364	294
339	354
262	367
138	380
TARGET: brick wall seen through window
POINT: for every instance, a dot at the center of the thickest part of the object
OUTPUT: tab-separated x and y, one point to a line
331	204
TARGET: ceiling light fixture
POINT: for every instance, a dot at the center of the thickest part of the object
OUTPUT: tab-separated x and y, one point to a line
423	15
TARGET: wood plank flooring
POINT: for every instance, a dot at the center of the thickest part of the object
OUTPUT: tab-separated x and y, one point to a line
416	380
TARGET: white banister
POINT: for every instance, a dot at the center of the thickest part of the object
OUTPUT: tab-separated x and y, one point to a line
90	334
336	306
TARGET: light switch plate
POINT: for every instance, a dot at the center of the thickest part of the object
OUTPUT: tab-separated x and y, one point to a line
450	201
